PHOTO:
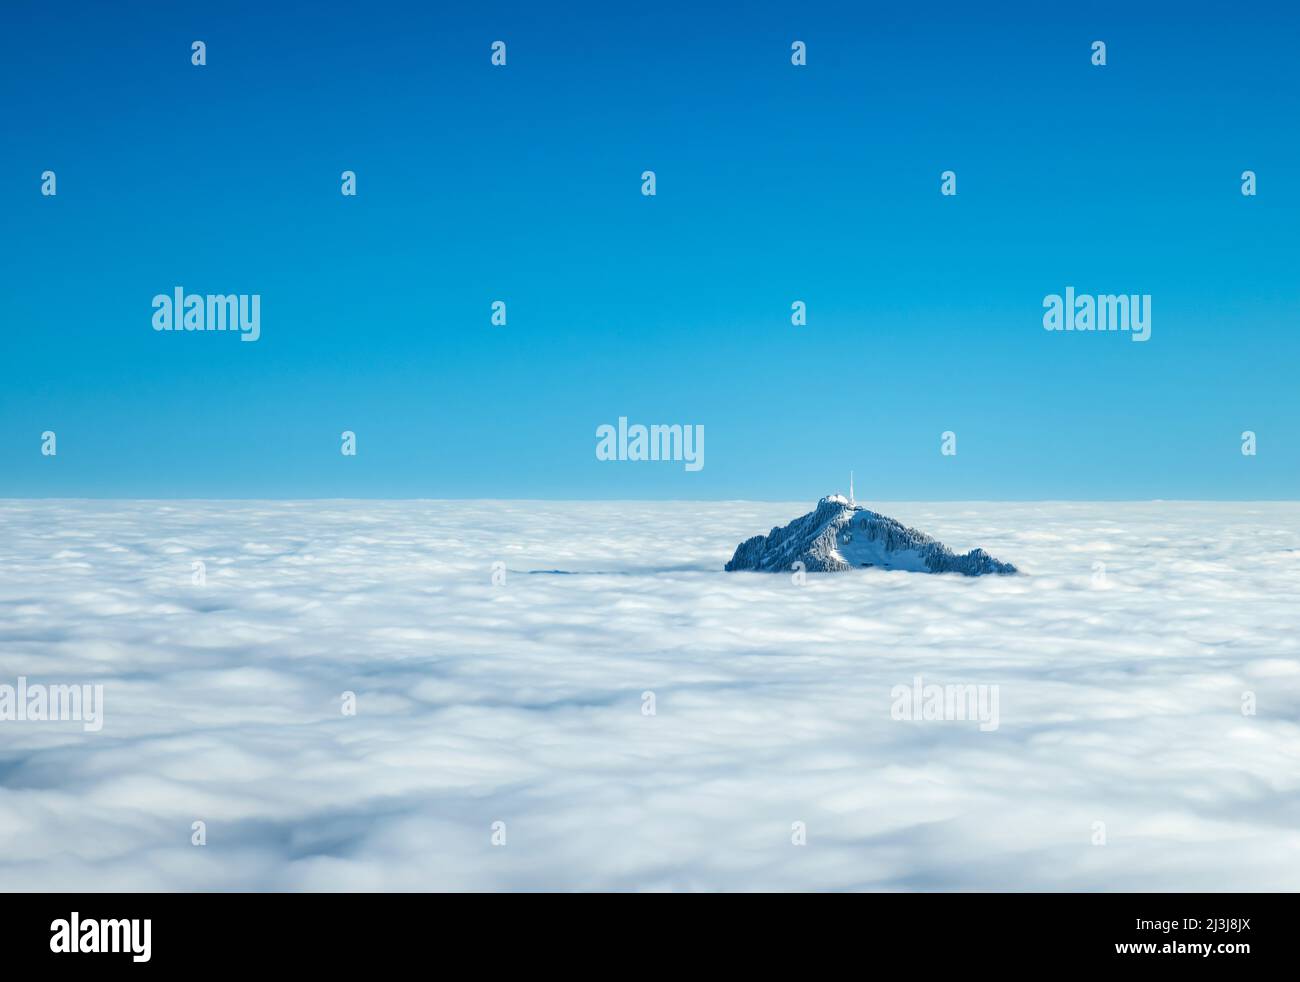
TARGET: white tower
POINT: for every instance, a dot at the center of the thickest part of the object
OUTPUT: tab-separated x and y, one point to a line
851	501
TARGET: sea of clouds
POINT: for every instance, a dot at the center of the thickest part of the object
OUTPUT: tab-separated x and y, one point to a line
521	702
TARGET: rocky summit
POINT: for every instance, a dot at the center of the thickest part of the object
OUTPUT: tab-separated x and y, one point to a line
841	535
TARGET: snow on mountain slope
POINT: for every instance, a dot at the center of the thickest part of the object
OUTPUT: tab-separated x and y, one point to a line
839	534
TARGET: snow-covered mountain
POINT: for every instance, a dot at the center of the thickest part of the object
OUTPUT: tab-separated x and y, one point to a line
840	535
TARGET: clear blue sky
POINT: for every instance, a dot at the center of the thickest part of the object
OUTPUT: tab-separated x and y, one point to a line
775	184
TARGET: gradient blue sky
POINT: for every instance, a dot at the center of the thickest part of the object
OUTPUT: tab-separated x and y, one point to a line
775	184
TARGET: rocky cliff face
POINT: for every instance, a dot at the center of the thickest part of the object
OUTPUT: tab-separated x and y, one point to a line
839	536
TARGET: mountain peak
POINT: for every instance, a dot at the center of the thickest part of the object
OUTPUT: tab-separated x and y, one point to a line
840	534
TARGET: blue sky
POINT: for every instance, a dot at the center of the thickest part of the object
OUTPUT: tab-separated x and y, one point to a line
775	184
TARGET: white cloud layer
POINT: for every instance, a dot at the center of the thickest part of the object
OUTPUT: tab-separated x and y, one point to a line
1120	700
